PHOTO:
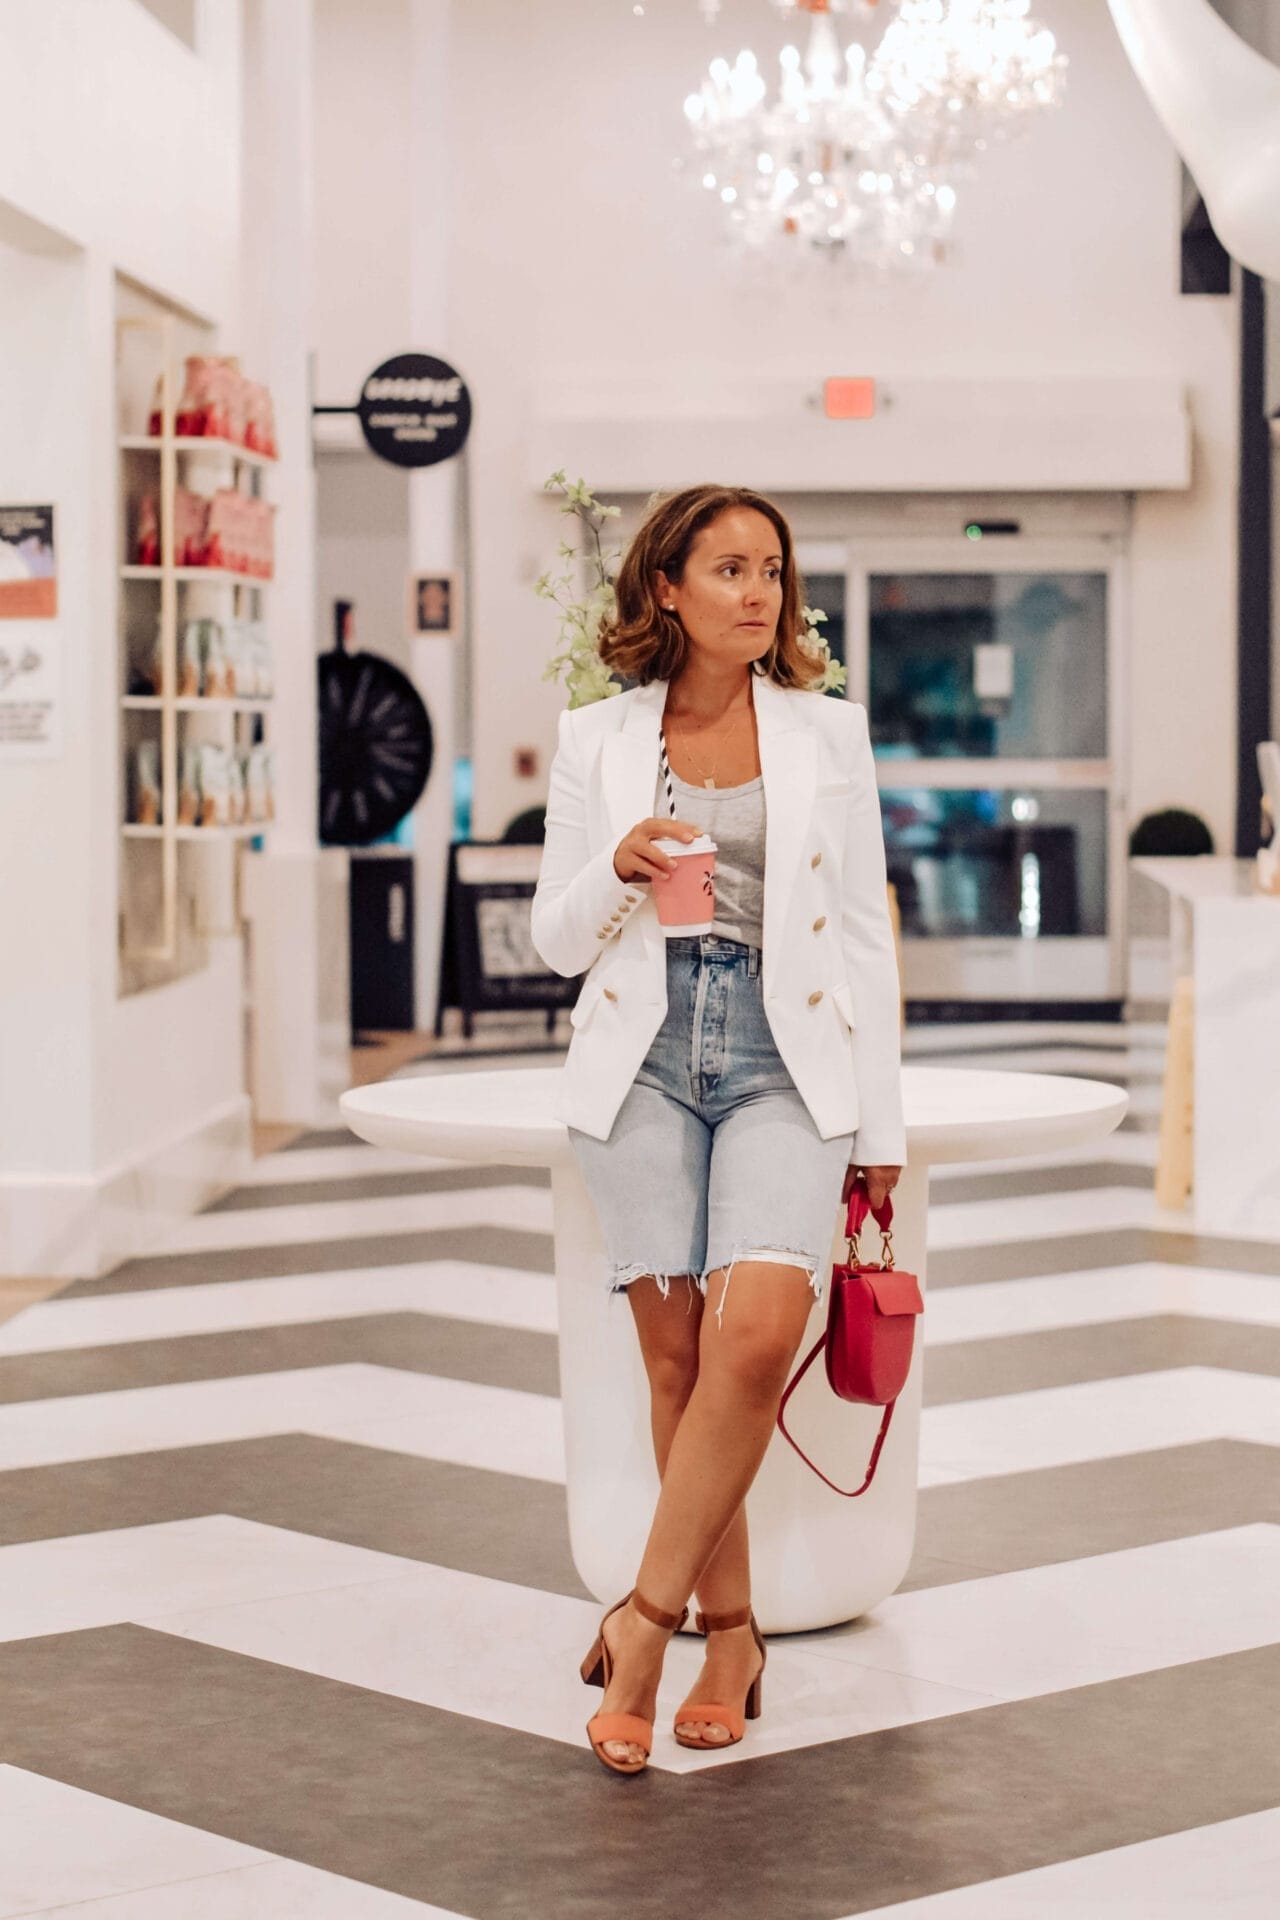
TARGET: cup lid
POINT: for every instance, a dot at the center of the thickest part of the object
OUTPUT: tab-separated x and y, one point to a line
703	844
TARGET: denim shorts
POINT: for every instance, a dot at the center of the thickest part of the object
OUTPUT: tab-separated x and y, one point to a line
713	1156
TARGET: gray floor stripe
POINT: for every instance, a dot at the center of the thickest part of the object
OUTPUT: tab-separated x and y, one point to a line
1110	1247
1071	1178
376	1186
504	1526
487	1822
485	1246
1038	1519
1107	1350
507	1527
938	1056
528	1361
323	1137
411	1342
510	1247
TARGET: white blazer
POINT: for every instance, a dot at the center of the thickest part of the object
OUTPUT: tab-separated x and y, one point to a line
829	974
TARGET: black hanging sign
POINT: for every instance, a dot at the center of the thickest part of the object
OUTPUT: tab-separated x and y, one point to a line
415	410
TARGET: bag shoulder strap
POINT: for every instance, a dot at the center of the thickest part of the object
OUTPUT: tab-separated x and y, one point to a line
850	1493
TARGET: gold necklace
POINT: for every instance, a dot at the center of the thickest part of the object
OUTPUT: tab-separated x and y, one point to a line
709	779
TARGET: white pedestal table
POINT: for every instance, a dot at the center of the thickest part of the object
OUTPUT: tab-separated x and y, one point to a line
816	1559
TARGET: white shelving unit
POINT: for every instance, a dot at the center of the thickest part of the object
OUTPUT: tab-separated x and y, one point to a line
175	456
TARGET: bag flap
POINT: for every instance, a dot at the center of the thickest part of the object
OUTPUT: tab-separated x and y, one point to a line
895	1292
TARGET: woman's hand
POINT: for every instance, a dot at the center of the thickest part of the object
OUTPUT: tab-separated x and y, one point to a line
636	858
881	1182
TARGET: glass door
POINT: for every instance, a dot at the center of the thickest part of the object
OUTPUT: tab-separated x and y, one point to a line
989	668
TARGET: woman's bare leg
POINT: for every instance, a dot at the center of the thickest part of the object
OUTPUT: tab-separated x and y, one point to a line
713	1456
669	1331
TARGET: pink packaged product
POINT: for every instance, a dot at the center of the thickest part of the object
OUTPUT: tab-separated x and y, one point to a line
190	534
218	403
146	538
260	421
242	535
190	529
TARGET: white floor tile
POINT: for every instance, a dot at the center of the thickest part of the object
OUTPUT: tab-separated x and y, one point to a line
955	1222
497	1429
1096	1420
307	1166
526	1209
98	1579
1093	1297
459	1289
1042	1630
470	1422
78	1856
59	1845
1118	1149
1229	1871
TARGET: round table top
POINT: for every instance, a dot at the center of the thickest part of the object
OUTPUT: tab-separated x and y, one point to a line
503	1116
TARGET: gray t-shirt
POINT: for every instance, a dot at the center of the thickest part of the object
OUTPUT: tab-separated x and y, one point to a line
734	817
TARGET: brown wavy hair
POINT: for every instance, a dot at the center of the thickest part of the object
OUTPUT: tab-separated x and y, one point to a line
644	642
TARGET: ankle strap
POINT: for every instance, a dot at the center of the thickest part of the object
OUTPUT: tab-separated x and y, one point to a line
718	1622
671	1621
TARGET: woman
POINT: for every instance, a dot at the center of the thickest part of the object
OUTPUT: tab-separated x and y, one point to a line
721	1091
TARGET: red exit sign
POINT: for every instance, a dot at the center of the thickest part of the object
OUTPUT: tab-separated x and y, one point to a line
845	399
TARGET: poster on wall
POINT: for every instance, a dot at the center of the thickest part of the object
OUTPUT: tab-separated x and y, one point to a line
30	693
28	569
434	605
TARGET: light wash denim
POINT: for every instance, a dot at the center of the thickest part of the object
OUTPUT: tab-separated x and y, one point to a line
713	1157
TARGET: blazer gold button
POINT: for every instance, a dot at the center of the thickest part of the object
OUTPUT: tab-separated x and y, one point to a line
632	898
820	923
603	934
609	993
815	997
816	860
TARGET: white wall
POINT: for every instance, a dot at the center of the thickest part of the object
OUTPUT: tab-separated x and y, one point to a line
120	146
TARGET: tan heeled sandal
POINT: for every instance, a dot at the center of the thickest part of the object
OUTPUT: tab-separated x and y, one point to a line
718	1712
597	1669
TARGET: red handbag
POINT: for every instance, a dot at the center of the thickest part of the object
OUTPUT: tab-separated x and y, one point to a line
871	1321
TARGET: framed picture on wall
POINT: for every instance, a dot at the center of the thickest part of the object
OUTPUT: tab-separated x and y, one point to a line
435	604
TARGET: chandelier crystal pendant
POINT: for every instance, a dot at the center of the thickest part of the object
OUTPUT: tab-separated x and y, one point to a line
967	73
856	157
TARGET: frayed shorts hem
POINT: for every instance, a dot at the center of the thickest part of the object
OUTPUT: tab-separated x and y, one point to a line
621	1277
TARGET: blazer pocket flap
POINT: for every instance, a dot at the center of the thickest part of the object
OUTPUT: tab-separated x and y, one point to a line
843	997
832	789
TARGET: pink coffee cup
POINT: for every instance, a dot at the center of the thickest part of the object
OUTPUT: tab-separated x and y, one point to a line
686	898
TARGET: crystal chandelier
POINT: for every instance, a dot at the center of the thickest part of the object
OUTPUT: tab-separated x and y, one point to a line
966	73
856	156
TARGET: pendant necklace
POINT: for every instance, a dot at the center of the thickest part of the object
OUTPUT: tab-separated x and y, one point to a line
708	779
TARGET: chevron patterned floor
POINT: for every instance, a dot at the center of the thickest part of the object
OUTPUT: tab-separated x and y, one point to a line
289	1628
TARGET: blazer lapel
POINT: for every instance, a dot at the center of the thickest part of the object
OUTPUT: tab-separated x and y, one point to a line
629	767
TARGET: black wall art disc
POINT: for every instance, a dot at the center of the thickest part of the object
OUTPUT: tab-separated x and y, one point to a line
375	745
415	410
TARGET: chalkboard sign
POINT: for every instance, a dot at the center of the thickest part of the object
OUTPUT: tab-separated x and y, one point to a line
489	961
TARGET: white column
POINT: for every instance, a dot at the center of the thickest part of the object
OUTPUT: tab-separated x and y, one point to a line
433	491
294	893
